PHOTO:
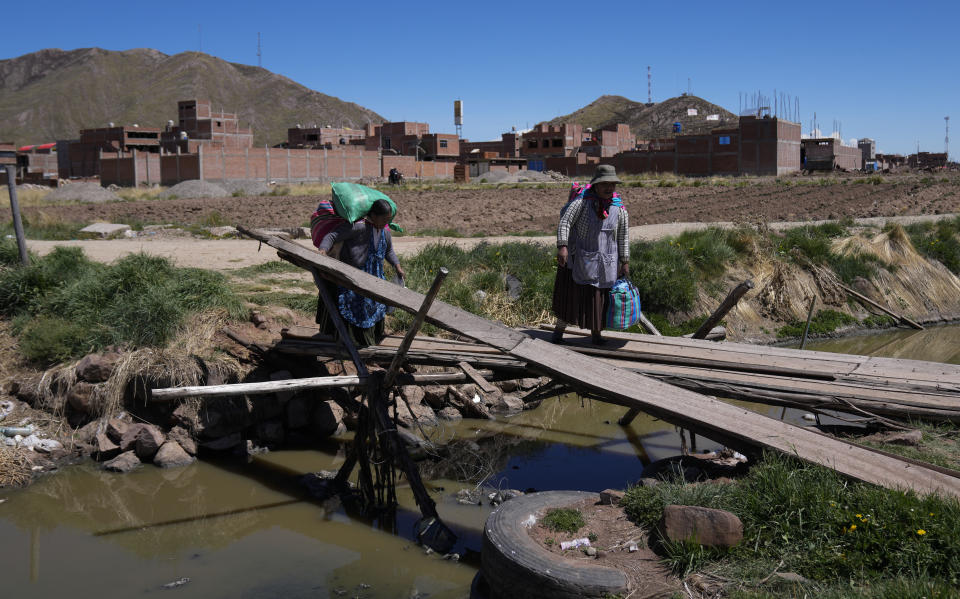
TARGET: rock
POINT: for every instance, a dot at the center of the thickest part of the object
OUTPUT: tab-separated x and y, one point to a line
479	295
512	403
469	405
449	413
509	386
223	443
104	230
96	368
611	497
791	577
591	551
171	455
116	428
86	434
469	497
260	321
913	437
416	412
183	438
413	394
297	413
707	526
47	446
328	419
434	395
125	462
103	447
80	397
304	233
149	440
514	287
529	383
221	232
271	432
648	482
186	416
129	438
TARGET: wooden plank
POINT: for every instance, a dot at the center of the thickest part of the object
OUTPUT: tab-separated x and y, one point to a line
710	417
714	418
262	388
471	372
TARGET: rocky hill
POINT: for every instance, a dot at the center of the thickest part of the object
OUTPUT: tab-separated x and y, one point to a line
52	94
650	121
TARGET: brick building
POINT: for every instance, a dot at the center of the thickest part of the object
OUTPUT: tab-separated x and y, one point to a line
508	146
828	153
325	137
608	141
927	160
199	124
81	158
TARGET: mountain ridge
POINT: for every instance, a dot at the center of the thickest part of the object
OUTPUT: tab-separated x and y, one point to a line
51	94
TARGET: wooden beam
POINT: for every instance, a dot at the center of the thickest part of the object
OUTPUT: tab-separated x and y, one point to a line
709	417
891	313
414	328
261	388
481	382
725	306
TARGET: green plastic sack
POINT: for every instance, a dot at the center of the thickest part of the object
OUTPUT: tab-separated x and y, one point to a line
352	201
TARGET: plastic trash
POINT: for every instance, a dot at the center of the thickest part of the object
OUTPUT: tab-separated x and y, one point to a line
530	521
584	542
13	431
6	407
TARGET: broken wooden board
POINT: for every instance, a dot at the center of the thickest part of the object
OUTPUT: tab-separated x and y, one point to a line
706	416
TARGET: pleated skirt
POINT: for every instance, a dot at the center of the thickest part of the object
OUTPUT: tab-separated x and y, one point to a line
584	306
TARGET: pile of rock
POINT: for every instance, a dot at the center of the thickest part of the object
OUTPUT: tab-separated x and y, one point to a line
123	445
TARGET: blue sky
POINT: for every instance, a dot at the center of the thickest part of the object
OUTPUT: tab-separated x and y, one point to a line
886	70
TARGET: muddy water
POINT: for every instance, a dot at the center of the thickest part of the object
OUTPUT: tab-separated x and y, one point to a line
248	530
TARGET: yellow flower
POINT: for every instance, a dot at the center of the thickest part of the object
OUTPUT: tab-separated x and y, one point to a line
859	515
853	527
932	514
921	532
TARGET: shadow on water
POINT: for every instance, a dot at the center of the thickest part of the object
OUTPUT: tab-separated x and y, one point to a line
248	529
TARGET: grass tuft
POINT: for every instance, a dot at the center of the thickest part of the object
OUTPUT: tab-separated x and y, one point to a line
564	520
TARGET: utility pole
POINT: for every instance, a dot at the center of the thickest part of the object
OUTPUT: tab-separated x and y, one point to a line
15	210
259	55
946	139
649	87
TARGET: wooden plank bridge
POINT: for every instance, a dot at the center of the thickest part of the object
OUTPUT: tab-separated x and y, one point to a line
615	374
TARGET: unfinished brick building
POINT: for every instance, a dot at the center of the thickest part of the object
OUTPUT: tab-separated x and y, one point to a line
828	153
927	160
199	124
508	146
326	137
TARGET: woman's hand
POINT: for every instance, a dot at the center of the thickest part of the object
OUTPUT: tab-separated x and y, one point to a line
322	252
562	255
400	272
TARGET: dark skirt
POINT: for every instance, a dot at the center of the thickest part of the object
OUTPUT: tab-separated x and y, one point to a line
584	306
361	337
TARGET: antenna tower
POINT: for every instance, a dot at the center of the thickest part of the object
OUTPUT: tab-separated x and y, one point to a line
649	87
259	55
946	139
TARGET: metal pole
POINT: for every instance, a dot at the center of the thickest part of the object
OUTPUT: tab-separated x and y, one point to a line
806	328
15	210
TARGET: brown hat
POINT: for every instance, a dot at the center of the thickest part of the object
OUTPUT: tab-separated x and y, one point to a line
605	173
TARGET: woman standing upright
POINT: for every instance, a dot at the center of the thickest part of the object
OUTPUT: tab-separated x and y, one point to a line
593	251
366	244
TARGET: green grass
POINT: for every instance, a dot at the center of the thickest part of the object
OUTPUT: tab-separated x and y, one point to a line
564	520
302	302
815	243
64	305
53	230
823	323
272	267
818	524
938	241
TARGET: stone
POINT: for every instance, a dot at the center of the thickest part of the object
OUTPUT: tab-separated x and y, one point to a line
171	455
104	230
648	482
271	432
434	395
116	428
221	232
186	416
529	383
591	551
297	413
509	386
80	397
421	412
223	443
707	526
183	438
913	437
304	233
104	447
129	438
86	433
611	497
413	394
260	321
149	440
328	419
96	368
125	462
791	577
514	287
469	497
449	413
512	403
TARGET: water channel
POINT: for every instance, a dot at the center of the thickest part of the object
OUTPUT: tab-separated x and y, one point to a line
247	529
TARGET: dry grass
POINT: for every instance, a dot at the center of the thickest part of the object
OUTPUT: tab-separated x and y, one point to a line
25	197
14	467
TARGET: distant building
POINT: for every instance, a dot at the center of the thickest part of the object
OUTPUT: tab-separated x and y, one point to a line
829	153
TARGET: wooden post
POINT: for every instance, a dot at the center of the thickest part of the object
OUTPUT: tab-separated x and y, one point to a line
15	210
725	306
649	326
892	314
806	329
399	357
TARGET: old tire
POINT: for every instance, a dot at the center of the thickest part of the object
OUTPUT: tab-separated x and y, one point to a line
513	565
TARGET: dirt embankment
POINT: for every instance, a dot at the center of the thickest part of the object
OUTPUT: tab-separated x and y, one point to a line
529	209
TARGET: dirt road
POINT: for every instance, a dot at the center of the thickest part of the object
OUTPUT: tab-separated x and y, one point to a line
226	254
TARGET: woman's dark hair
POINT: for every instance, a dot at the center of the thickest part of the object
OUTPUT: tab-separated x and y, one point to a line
381	208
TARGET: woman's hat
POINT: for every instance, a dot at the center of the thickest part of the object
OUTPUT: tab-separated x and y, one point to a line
605	173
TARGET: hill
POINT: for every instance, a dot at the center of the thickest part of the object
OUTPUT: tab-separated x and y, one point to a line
52	94
650	121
